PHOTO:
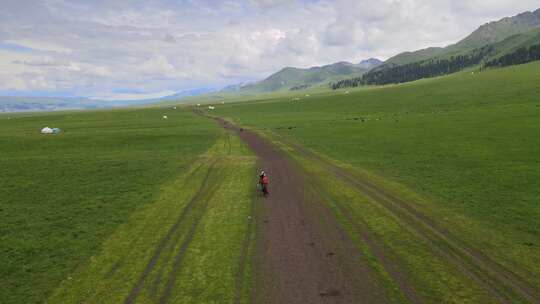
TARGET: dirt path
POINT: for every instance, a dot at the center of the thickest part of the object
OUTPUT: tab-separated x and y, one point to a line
303	256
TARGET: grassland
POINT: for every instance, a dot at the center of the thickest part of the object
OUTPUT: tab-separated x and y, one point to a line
127	206
68	200
191	245
463	148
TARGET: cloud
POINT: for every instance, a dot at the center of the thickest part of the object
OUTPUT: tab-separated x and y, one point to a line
343	33
93	48
270	3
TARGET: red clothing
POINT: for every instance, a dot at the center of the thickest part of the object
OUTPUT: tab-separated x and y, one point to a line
264	180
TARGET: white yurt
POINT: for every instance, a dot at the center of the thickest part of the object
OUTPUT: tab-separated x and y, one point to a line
46	130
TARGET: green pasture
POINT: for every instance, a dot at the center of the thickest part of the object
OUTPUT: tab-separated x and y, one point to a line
465	147
205	217
68	200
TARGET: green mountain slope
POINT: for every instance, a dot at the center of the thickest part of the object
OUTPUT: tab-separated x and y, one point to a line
516	49
408	57
515	42
500	30
489	33
295	78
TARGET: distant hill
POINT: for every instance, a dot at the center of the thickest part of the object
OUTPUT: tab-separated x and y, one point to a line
35	104
369	64
26	104
295	78
489	33
489	41
408	57
500	30
514	38
184	94
234	87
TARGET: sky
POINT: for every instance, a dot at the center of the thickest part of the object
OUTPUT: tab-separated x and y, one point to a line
131	49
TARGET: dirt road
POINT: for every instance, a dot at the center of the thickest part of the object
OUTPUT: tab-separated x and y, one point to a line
303	255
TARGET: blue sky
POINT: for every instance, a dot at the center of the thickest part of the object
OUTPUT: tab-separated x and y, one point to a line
123	49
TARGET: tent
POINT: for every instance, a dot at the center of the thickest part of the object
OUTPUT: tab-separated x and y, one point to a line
46	130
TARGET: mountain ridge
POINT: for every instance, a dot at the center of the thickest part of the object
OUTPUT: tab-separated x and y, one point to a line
292	78
488	33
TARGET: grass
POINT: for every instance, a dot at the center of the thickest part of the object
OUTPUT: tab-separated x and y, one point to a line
465	146
62	196
206	258
432	277
84	212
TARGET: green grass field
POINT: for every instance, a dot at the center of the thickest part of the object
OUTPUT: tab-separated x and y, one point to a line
127	205
465	147
68	199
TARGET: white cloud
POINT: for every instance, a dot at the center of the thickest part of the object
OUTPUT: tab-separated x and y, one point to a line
157	64
94	48
344	33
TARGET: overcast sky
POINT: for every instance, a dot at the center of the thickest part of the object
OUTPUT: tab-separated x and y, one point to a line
136	49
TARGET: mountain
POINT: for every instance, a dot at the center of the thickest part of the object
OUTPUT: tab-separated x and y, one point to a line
25	104
296	79
489	41
234	87
516	49
184	94
35	104
513	40
369	64
499	30
486	34
408	57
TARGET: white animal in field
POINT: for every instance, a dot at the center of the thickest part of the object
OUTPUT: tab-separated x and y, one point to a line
211	108
165	117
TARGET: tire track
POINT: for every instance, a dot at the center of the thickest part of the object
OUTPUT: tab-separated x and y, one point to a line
199	212
138	286
373	247
498	280
185	244
168	251
229	143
